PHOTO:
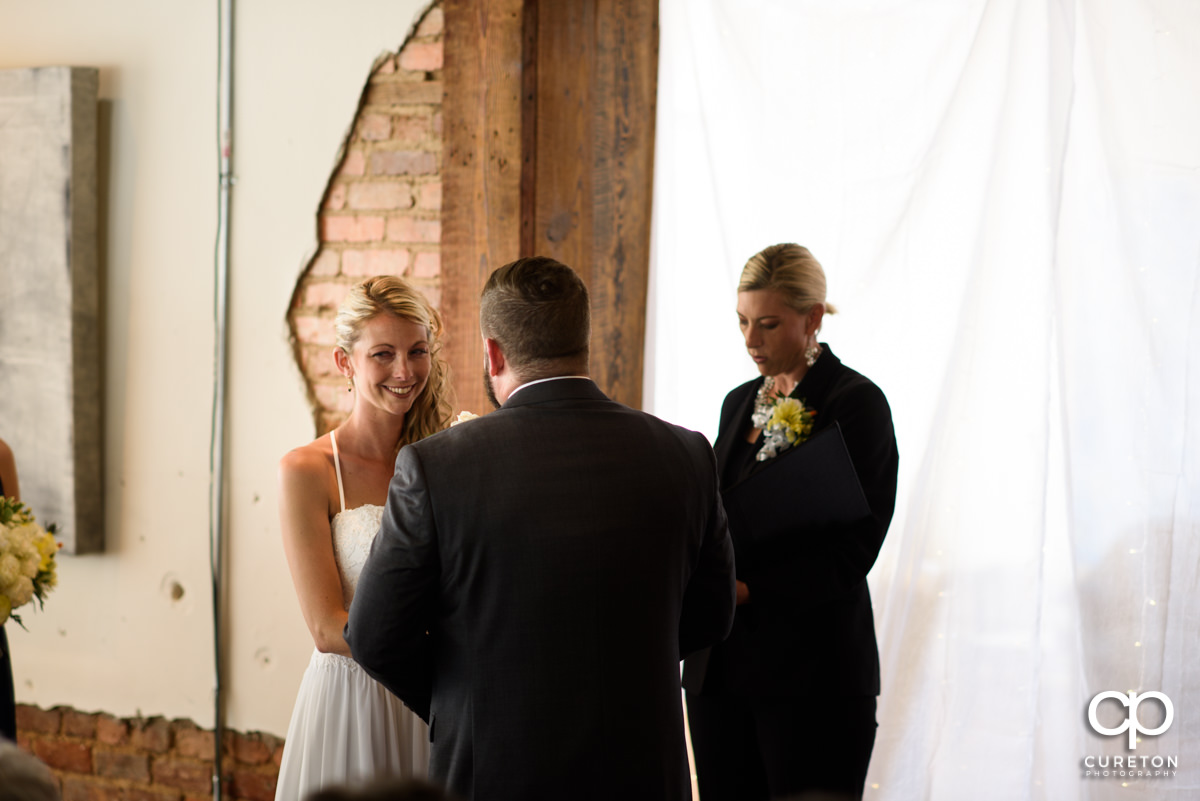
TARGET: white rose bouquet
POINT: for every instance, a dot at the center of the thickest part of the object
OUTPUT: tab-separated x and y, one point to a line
27	568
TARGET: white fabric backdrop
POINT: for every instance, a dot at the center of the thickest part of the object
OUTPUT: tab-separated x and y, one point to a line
1006	199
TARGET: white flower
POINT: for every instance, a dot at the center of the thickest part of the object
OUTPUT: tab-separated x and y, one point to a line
22	591
463	417
10	569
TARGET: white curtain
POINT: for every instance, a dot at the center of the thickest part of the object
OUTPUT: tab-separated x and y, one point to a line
1006	199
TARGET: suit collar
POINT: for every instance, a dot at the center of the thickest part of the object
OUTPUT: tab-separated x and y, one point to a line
818	377
568	388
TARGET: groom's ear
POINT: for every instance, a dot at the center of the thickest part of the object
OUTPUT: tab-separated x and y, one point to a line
495	357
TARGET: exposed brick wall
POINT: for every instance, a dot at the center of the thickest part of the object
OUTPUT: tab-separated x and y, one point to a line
98	757
381	212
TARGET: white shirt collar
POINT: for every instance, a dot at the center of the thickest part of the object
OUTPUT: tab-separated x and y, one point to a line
544	380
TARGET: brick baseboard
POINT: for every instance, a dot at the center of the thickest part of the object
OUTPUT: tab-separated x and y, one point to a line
99	757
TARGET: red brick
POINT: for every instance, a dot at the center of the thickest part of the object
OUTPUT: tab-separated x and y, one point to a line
334	397
432	293
336	200
329	421
78	724
430	195
404	93
253	785
312	330
341	228
153	735
385	66
249	749
421	56
375	262
26	741
277	756
64	755
403	162
354	164
375	127
191	741
111	731
411	128
437	123
325	294
42	721
432	24
326	262
427	265
75	788
406	229
318	362
122	765
151	794
380	195
187	775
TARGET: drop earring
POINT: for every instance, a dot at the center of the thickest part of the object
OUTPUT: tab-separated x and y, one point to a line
812	353
349	384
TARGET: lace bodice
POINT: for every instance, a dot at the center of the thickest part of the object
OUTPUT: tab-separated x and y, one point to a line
353	531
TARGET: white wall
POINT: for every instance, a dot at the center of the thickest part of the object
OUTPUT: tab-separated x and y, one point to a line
111	638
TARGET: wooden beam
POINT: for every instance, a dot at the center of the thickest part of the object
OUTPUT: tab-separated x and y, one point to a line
569	96
481	172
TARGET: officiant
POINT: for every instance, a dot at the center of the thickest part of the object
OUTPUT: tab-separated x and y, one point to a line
786	704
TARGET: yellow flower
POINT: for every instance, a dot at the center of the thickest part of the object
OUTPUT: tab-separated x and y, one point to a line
793	418
5	608
47	548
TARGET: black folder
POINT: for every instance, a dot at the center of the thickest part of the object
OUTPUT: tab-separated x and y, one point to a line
808	486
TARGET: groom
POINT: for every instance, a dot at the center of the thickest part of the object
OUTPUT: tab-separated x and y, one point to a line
541	571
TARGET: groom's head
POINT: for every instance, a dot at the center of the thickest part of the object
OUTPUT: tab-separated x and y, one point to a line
536	312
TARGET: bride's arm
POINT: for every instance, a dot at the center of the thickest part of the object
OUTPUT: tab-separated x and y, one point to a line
308	545
8	472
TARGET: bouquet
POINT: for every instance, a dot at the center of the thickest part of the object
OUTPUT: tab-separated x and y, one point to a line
27	568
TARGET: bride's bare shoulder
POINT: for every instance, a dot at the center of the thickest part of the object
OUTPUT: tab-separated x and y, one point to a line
311	462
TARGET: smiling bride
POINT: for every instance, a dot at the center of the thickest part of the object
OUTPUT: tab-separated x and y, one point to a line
346	728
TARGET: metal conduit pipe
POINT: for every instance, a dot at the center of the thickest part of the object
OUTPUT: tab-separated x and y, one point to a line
216	531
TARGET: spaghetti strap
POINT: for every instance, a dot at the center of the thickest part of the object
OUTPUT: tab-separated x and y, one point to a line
337	468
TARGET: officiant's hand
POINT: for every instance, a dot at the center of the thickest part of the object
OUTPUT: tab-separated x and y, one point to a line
743	593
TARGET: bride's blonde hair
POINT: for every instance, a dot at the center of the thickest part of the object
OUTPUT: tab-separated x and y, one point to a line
389	294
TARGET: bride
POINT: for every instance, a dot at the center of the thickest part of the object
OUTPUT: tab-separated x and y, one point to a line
346	728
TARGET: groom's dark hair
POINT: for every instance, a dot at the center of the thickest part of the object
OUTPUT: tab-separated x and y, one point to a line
537	310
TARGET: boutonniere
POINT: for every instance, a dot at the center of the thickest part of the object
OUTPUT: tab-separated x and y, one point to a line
785	421
463	417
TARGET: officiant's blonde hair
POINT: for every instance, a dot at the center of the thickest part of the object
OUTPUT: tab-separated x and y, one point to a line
791	271
388	294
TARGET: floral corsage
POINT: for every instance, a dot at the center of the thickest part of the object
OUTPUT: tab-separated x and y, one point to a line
785	421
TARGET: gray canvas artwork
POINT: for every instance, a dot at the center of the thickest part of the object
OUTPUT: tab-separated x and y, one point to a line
50	378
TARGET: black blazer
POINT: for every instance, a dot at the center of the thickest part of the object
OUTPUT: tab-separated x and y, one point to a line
809	623
539	574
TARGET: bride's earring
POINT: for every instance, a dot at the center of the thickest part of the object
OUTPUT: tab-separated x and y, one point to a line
349	384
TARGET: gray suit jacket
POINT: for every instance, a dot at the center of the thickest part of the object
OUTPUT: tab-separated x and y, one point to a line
538	576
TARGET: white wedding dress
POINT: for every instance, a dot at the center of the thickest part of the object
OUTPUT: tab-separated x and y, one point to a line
348	729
